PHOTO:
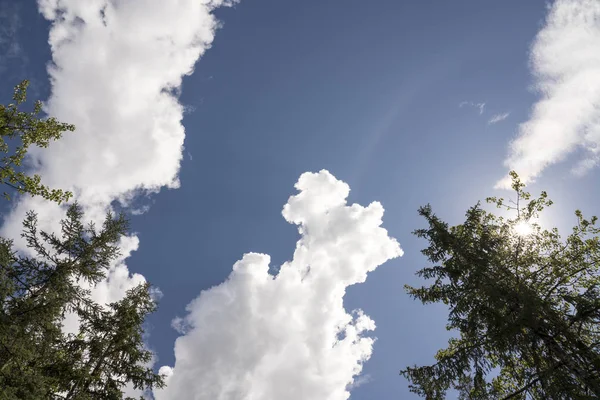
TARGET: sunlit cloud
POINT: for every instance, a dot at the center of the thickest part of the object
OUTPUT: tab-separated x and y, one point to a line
287	336
566	65
478	106
498	118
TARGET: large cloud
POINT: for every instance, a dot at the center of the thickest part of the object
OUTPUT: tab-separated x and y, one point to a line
260	336
565	59
116	69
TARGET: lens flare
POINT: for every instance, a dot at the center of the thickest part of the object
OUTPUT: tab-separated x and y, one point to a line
523	228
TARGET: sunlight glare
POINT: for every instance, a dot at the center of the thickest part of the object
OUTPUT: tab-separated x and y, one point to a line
523	228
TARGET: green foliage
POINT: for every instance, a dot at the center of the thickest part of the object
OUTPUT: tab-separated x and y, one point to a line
25	129
526	307
37	359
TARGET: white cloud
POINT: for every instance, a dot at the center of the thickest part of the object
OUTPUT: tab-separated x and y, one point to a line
479	106
565	60
116	69
114	77
498	118
360	381
259	336
583	166
140	210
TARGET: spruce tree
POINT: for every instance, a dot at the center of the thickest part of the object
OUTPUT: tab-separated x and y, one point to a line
524	304
37	359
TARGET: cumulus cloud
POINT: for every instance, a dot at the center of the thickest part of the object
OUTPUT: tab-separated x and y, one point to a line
565	61
288	336
478	106
116	69
498	118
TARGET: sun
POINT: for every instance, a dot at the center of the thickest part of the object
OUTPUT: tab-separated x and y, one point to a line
523	228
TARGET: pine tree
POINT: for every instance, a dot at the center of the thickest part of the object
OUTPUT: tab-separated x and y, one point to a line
525	305
37	359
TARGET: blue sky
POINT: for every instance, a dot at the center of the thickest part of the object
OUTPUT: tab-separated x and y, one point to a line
386	95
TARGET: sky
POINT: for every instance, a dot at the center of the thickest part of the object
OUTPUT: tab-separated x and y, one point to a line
272	156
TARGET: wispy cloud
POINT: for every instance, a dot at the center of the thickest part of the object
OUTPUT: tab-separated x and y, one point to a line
259	336
479	106
360	381
566	65
583	166
498	118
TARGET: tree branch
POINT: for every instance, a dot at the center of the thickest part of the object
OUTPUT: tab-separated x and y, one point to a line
523	389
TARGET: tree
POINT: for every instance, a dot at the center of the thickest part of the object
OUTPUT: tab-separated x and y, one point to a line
525	305
37	359
18	131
